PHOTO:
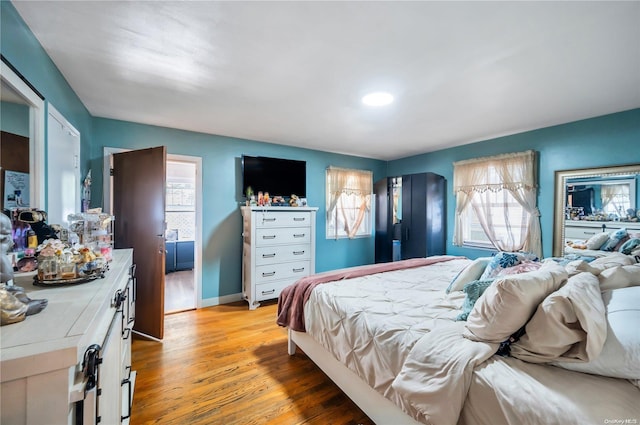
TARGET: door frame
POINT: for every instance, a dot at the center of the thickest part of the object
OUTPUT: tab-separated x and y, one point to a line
197	161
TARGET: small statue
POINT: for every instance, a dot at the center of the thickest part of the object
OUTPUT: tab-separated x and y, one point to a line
15	303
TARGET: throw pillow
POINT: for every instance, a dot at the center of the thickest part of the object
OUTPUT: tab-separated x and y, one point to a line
620	355
468	274
614	239
508	304
629	246
503	260
596	241
473	291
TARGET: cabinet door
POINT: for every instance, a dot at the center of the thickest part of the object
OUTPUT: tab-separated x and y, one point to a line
109	398
383	219
170	262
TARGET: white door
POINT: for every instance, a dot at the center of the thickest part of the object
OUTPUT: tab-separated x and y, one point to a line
63	169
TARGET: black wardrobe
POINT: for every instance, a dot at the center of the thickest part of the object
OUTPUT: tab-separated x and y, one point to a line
410	217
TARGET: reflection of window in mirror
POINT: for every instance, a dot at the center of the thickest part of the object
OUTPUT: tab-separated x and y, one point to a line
602	199
396	183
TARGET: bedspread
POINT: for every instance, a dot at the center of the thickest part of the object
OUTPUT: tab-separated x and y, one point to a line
292	298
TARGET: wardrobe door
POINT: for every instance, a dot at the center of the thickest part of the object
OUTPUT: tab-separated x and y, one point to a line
383	219
413	216
435	209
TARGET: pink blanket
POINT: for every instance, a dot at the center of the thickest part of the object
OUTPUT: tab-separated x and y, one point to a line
293	297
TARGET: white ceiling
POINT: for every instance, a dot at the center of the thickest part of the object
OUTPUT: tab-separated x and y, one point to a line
293	73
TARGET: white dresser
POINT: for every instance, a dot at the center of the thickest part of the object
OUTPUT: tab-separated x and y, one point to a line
42	377
278	249
581	230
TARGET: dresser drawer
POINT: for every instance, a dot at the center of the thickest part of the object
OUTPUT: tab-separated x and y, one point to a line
290	235
580	233
271	272
283	219
270	290
282	253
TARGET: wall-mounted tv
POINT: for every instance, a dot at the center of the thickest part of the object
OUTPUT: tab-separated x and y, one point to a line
279	177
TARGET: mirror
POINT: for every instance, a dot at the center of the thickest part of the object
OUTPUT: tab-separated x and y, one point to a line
17	91
594	195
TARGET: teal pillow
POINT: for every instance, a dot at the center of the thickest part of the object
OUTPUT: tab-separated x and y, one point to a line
614	239
630	245
472	291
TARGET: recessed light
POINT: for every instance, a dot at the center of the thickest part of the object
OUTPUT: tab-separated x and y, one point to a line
377	99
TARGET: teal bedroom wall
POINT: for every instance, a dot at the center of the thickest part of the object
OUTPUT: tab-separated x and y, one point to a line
221	175
21	48
14	118
597	142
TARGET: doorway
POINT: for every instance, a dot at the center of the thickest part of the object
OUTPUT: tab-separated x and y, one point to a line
180	215
182	287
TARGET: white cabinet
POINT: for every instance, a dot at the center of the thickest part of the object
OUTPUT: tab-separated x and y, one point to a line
582	230
278	249
71	363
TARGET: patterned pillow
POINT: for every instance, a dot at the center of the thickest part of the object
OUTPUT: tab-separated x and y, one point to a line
629	246
614	239
503	260
472	291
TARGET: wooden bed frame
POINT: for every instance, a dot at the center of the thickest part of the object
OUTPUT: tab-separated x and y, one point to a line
373	404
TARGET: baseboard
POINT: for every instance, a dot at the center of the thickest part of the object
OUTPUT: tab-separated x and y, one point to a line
225	299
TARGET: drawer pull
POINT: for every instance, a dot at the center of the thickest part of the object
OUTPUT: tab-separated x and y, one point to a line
268	274
301	269
268	236
298	235
269	219
298	218
268	292
589	233
298	252
268	255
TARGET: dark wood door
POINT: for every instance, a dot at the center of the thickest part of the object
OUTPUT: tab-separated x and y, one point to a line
138	205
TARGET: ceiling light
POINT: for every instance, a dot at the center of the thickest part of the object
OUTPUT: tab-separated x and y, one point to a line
377	99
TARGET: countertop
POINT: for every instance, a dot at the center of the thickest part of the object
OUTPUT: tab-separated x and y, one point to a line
75	317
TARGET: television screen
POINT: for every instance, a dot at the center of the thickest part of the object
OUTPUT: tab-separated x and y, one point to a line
279	177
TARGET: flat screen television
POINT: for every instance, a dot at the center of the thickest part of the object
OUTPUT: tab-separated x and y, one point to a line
279	177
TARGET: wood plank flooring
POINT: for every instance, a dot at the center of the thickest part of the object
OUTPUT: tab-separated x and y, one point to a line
229	365
179	291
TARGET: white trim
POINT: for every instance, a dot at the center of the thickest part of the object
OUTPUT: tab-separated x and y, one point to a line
225	299
37	120
53	113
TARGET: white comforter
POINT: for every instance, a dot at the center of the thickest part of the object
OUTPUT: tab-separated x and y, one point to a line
397	331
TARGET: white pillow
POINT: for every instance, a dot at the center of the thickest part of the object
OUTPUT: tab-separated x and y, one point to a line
620	356
470	273
612	260
510	301
620	277
597	240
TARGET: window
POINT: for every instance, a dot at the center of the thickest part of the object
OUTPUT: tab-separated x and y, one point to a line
496	203
348	203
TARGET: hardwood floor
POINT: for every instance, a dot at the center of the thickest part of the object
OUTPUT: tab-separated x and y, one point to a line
228	365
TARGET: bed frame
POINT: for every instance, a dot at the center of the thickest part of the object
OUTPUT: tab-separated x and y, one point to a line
373	404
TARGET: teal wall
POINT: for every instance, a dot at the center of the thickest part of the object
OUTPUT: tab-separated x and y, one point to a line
612	139
21	48
221	175
14	118
597	142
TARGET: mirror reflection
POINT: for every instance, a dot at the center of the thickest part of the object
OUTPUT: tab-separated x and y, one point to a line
22	146
594	200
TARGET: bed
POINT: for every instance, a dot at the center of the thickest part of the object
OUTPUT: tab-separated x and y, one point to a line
387	335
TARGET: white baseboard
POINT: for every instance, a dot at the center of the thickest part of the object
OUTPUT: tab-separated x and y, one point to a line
225	299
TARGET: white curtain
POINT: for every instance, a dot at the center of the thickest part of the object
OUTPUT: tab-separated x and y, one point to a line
514	173
348	191
609	192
